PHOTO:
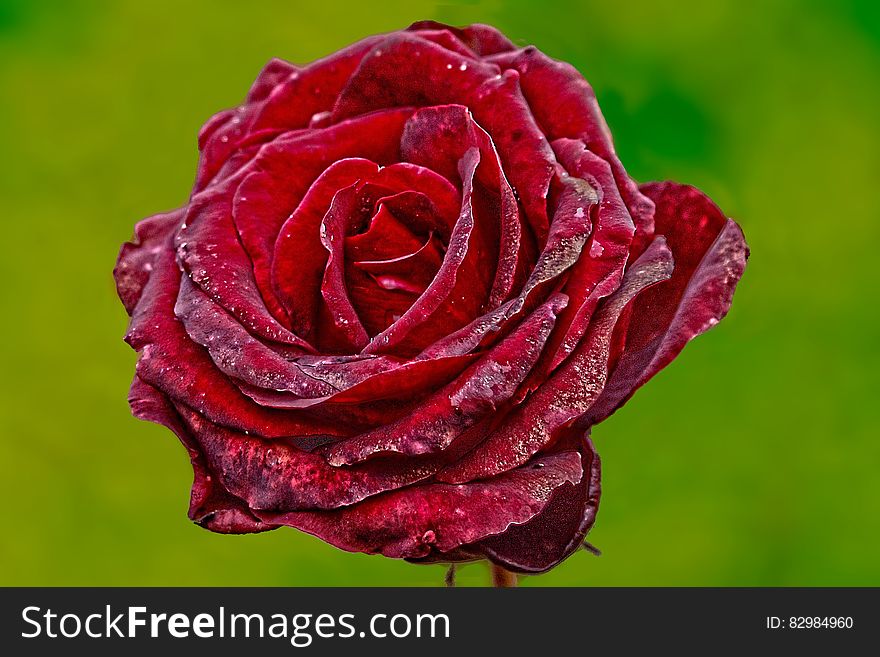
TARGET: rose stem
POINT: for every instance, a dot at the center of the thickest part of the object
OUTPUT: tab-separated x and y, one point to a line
502	578
450	577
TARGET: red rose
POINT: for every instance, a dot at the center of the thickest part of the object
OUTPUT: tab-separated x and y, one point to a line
409	279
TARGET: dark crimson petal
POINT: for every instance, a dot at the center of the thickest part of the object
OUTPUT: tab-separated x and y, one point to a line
210	505
209	249
412	272
499	107
218	140
378	307
236	352
438	138
407	380
598	272
170	361
510	245
413	522
481	389
436	76
710	257
456	293
433	75
300	259
334	227
469	337
283	98
385	238
571	390
275	476
311	89
274	73
483	40
448	40
554	534
136	258
569	232
565	106
223	132
406	179
261	205
298	157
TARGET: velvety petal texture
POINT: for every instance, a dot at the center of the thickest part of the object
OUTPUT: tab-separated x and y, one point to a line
409	281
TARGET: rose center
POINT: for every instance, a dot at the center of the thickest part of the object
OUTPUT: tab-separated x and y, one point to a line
392	249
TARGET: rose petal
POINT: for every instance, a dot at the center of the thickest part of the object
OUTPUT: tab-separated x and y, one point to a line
210	505
300	259
599	270
438	137
385	238
483	40
274	476
209	249
571	390
283	98
135	261
710	257
408	380
554	534
487	384
564	247
412	272
496	101
170	361
236	352
434	75
499	106
565	105
341	314
413	522
456	293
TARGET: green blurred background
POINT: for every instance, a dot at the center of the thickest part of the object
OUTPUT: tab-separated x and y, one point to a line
752	460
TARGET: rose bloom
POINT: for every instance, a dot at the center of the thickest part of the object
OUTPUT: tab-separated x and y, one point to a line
410	277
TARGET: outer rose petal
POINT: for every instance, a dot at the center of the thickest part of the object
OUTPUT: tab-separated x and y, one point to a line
136	258
283	98
413	522
483	40
557	532
274	476
710	257
210	505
